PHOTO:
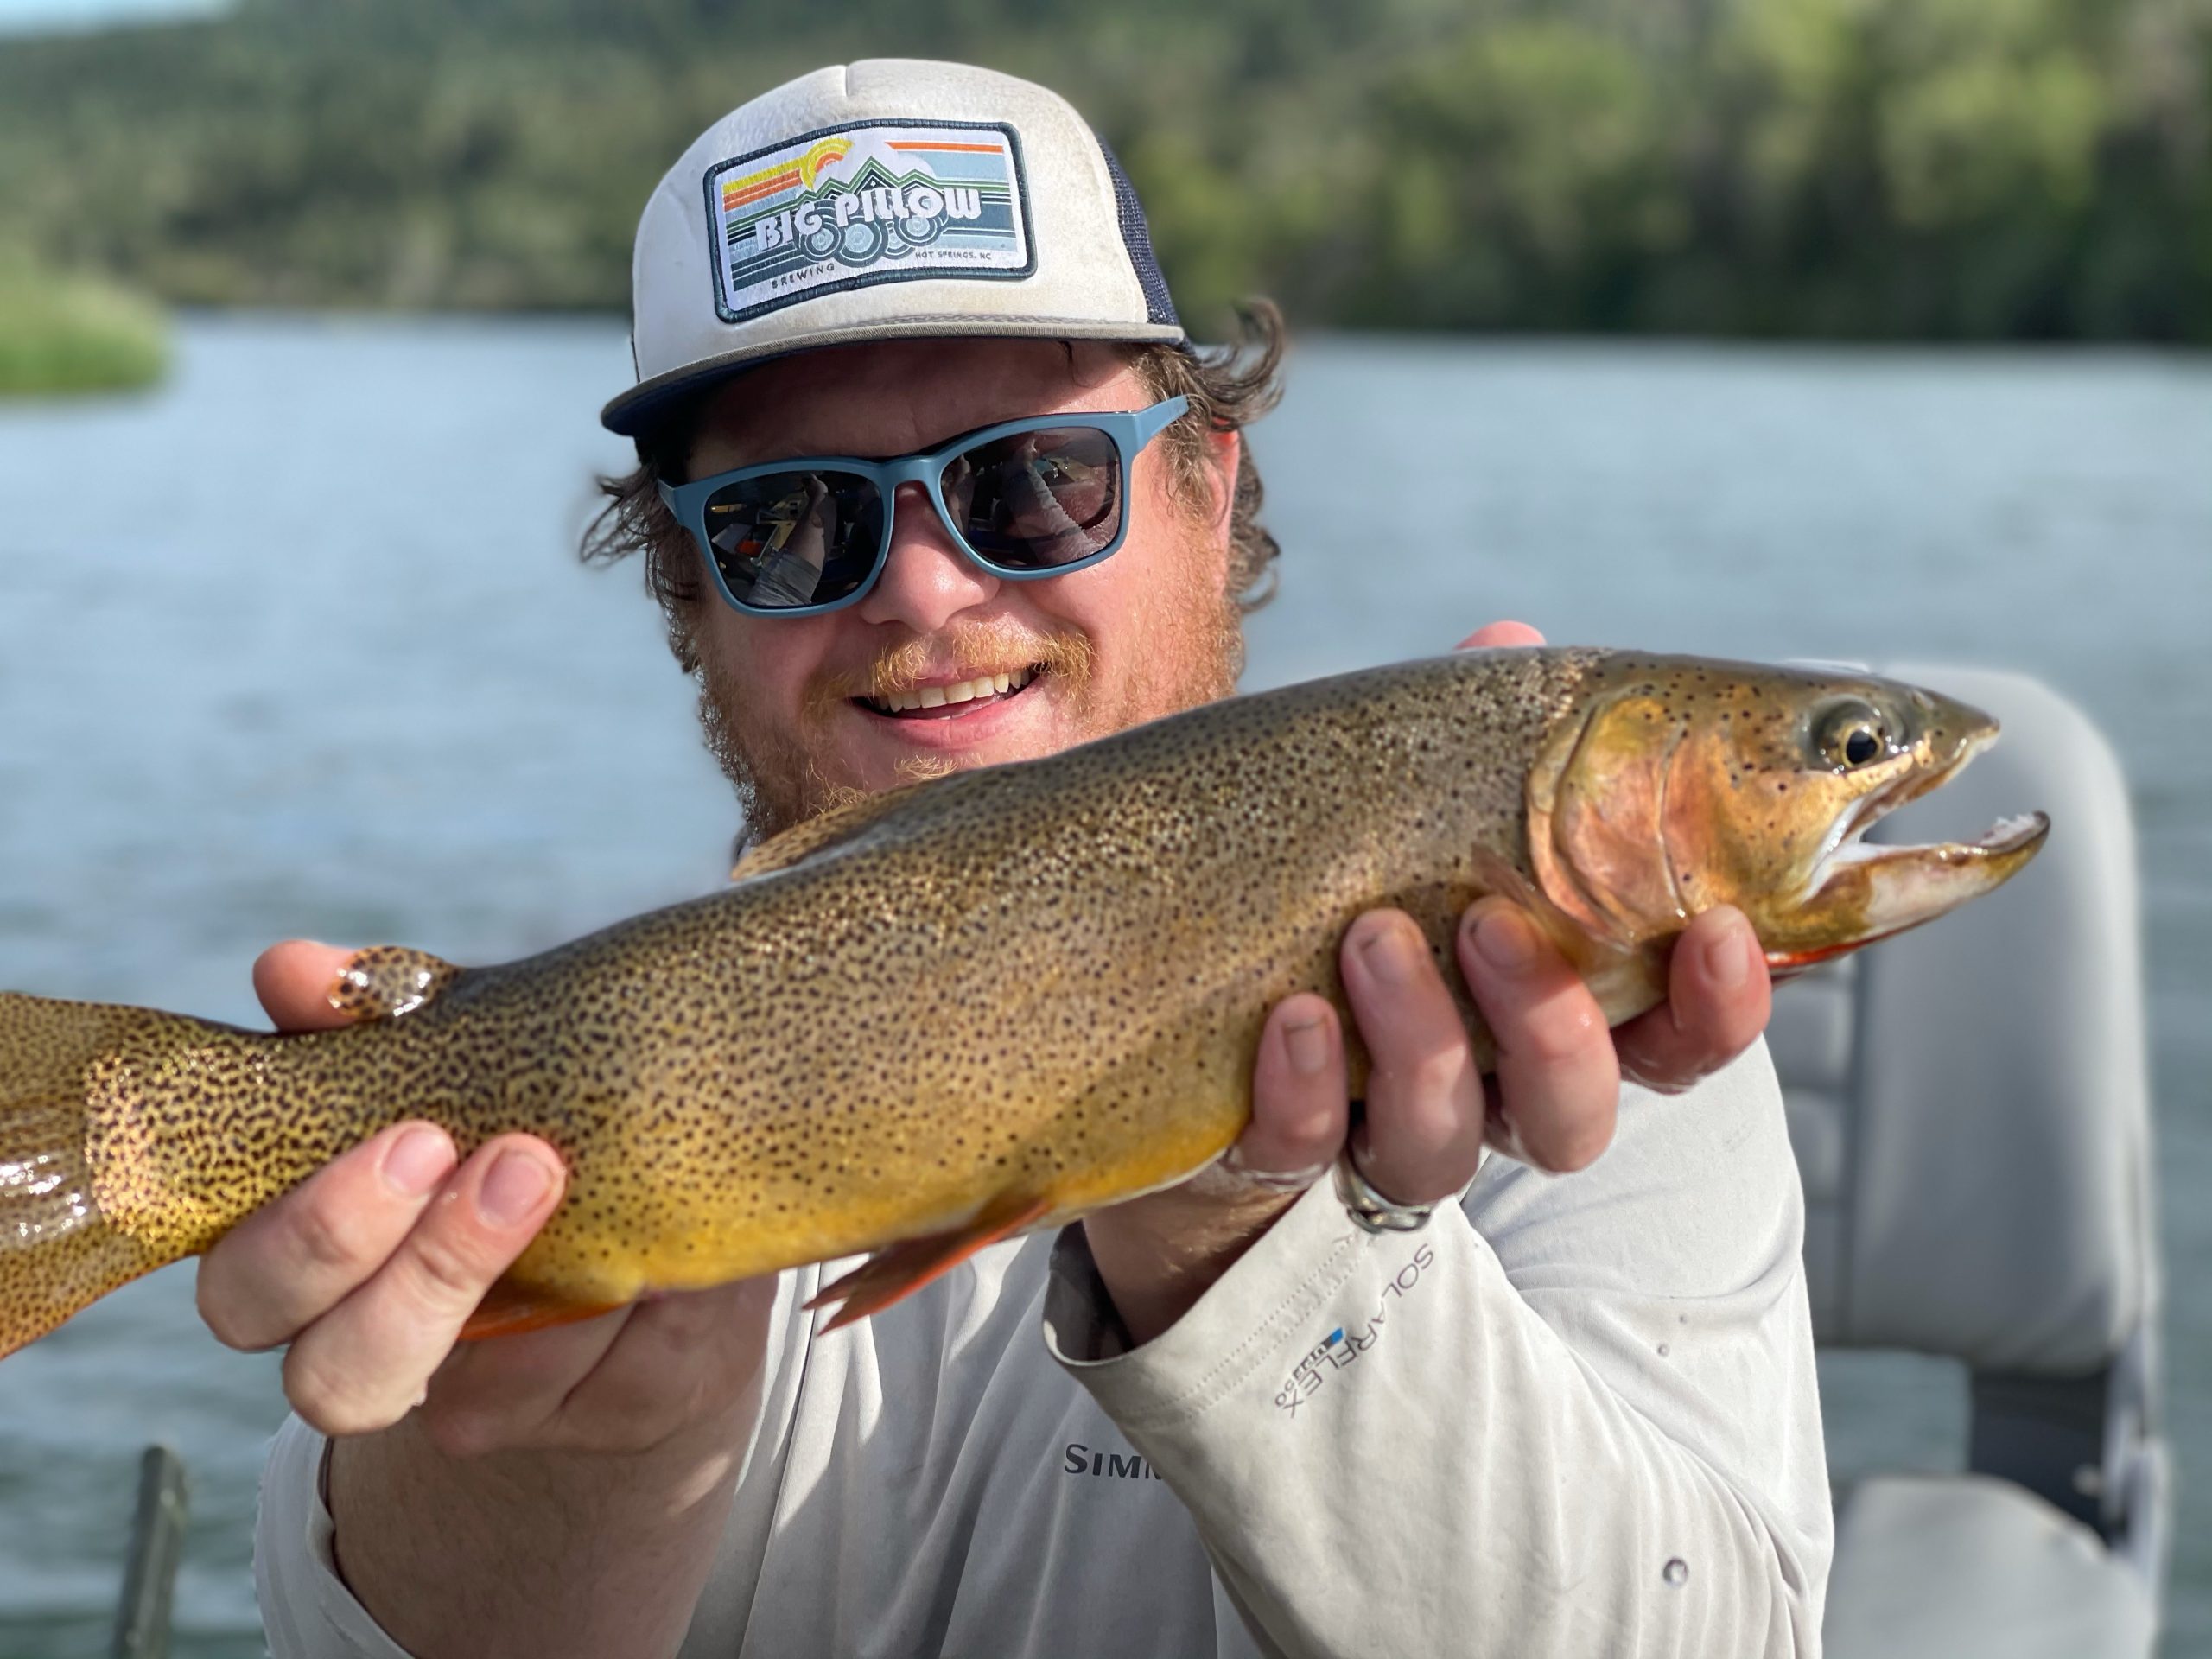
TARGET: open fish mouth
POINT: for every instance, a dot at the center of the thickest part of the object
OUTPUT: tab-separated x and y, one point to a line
1884	888
2006	839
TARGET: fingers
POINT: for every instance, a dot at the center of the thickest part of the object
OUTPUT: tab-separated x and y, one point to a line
657	1368
370	1268
1299	1108
1558	1078
1719	995
291	1261
293	981
489	1396
367	1361
1422	1140
1500	633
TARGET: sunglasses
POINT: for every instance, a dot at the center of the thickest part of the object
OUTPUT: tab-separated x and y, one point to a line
1024	499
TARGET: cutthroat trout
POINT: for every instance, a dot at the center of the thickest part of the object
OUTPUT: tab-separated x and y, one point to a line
991	1002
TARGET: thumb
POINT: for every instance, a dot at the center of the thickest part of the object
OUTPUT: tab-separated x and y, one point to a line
1501	633
294	981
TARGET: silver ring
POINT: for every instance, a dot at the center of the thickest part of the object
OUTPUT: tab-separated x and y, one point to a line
1370	1210
1290	1180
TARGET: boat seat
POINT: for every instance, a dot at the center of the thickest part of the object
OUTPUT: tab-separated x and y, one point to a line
1972	1566
1969	1106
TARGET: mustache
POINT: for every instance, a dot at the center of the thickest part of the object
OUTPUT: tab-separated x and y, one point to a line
975	648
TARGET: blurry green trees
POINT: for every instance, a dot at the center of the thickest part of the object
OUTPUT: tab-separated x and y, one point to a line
1851	168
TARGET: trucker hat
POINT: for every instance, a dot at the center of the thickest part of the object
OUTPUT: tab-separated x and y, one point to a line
878	201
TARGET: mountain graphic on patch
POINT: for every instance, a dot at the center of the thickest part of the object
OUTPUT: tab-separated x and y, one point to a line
873	201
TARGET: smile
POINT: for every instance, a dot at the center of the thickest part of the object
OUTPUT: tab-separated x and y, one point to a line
945	702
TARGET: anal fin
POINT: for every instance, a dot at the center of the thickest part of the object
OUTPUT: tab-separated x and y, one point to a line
509	1309
903	1268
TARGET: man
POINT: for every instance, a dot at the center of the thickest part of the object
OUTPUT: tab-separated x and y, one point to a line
1572	1415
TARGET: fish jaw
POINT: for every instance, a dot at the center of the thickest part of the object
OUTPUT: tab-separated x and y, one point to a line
1884	890
1682	784
1860	891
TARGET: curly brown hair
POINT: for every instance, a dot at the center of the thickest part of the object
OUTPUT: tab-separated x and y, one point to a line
1230	387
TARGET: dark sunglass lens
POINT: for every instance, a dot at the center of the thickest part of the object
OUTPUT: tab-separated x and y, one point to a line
1037	499
783	540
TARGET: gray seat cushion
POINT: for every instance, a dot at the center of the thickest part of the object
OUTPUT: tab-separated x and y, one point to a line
1965	1567
1969	1102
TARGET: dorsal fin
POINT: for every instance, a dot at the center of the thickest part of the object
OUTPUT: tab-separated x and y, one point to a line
386	981
832	828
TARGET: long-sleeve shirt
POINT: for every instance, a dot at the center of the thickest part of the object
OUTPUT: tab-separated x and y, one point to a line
1575	1415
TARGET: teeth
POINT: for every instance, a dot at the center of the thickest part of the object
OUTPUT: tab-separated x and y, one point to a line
939	697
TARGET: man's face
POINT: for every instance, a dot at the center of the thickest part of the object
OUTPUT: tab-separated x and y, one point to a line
798	709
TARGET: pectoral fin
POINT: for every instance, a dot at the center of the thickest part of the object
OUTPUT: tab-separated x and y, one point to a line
508	1309
905	1268
386	981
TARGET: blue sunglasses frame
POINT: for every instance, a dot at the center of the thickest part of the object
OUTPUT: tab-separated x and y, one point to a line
1128	430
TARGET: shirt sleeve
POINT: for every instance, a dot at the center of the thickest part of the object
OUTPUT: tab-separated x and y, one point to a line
1577	1415
307	1611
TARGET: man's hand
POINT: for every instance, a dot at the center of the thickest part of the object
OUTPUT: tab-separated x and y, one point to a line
635	1420
370	1268
1551	1103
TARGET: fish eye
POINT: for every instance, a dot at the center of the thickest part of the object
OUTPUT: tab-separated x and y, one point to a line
1853	735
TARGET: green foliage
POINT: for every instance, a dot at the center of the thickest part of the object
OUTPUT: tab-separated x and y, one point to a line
75	334
1521	177
1855	168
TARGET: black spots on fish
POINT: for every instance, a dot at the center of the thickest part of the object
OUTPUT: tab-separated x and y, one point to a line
797	1012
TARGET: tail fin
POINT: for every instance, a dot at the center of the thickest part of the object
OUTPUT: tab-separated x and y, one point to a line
58	1253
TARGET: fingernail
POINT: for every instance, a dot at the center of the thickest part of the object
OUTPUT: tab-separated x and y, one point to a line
1390	954
417	1161
515	1187
1505	941
1726	964
1308	1046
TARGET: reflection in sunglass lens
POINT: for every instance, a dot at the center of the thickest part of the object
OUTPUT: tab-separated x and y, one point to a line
786	539
1037	500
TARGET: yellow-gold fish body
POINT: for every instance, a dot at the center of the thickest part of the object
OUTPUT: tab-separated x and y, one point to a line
1003	999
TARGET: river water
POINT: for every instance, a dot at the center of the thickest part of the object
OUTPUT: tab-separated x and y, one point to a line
295	645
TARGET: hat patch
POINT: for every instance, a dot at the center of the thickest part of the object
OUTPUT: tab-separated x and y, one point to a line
873	201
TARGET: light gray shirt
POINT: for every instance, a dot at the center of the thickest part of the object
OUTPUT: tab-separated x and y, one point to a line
1575	1415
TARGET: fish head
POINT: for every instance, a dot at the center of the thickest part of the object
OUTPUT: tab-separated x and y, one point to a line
1689	783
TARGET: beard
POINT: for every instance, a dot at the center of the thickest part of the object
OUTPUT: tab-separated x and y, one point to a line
1191	641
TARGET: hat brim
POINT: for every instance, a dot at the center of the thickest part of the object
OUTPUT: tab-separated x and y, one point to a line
638	408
